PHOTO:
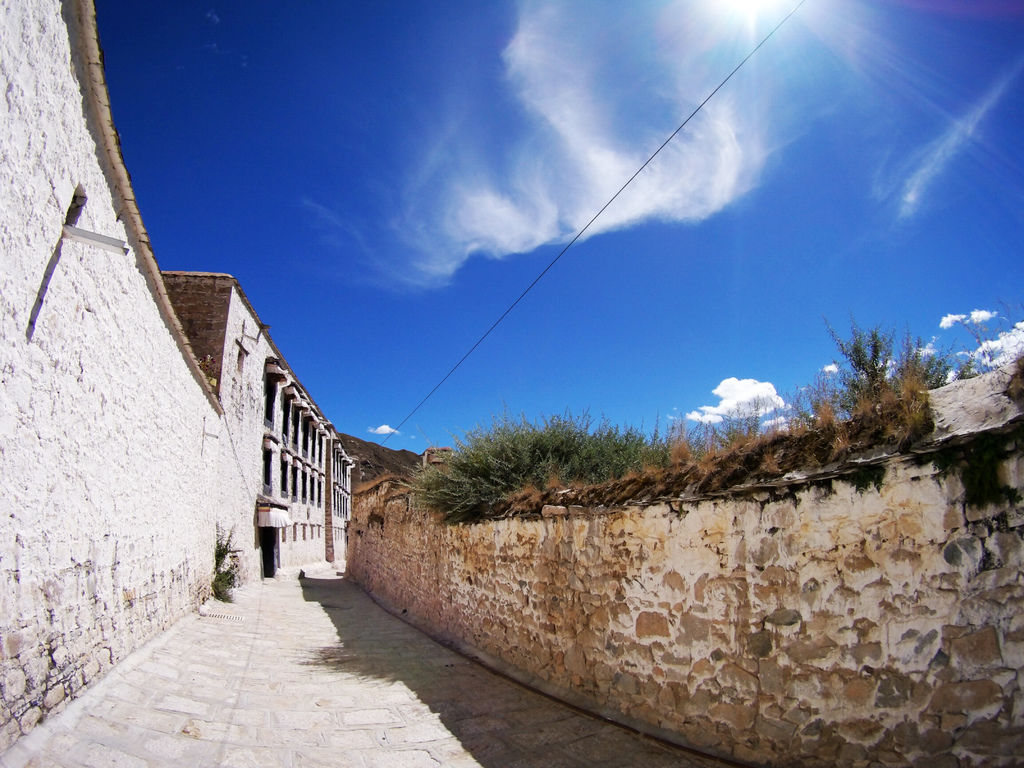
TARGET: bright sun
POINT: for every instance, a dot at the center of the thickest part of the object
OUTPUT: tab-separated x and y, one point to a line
749	9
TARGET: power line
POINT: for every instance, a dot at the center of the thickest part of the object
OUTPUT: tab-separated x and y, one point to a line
594	218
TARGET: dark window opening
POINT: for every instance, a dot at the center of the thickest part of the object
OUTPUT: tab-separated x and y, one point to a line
270	396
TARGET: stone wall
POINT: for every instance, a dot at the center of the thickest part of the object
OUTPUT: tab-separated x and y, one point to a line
819	622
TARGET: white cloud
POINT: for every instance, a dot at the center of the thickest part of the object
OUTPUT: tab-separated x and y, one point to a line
1004	349
830	368
933	159
383	429
979	316
739	398
212	17
948	321
595	105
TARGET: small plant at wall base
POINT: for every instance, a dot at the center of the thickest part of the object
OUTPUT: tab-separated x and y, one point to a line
225	566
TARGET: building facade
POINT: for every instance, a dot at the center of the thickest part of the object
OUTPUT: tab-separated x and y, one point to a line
278	434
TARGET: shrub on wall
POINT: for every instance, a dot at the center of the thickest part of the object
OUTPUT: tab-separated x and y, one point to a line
512	454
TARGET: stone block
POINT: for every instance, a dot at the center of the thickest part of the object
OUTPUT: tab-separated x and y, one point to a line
974	699
859	691
784	617
774	730
964	553
864	653
812	650
738	679
53	697
673	581
738	717
759	644
693	629
976	651
651	624
1007	548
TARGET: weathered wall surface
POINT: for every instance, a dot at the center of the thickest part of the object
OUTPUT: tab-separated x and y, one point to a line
814	624
106	434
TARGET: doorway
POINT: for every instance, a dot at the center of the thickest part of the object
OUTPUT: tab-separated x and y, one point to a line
268	546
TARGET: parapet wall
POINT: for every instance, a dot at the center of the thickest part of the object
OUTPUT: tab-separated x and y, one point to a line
816	624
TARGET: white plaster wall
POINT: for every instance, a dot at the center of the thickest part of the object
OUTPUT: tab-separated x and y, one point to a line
240	475
106	530
240	472
298	551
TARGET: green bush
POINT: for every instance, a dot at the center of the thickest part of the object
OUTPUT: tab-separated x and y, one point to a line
876	366
225	566
512	454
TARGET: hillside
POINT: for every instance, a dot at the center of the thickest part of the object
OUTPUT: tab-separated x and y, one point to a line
373	460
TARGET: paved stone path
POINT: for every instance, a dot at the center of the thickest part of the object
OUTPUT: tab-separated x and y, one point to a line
312	673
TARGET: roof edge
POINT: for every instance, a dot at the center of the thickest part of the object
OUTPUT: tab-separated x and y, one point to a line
84	31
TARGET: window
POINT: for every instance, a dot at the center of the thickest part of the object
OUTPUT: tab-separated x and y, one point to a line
286	410
268	472
284	535
270	396
295	483
284	477
303	485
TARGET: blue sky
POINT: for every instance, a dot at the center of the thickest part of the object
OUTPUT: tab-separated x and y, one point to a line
385	179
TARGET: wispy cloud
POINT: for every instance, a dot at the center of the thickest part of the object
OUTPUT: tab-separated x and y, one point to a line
212	17
739	398
383	429
592	108
933	159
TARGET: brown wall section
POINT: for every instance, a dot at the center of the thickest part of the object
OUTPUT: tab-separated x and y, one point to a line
201	304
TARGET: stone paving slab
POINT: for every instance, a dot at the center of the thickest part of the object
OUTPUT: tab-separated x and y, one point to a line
311	673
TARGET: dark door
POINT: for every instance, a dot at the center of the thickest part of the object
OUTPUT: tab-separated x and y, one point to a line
268	543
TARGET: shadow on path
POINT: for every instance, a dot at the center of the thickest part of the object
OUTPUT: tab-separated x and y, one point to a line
502	724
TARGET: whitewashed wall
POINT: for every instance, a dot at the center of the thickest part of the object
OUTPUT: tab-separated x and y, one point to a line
106	525
241	466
